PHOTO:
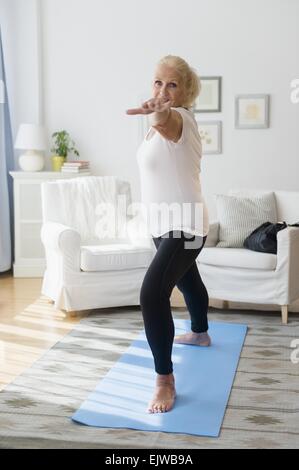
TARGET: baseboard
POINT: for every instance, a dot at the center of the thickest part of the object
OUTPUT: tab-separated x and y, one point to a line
28	271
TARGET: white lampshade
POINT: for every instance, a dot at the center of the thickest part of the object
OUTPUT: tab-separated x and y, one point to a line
31	137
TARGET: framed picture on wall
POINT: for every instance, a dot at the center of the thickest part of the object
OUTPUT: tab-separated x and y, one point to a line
211	136
252	111
209	100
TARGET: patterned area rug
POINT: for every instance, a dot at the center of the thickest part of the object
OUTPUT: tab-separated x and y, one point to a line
263	409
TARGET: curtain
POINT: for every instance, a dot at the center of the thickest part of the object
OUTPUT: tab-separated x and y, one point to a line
6	182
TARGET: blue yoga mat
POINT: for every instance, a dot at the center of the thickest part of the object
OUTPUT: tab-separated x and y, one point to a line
203	376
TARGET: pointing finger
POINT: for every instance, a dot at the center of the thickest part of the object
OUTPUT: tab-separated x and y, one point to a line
134	111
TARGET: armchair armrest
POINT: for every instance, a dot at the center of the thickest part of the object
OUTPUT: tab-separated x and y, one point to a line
287	267
61	241
138	234
213	235
136	227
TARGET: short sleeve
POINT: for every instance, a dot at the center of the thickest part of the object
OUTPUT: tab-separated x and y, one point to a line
187	124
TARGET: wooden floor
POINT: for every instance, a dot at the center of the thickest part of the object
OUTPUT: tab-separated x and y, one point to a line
25	332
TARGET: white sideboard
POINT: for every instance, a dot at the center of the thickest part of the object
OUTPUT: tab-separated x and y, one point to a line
29	251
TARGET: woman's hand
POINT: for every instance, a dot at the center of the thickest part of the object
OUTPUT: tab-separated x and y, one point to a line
154	105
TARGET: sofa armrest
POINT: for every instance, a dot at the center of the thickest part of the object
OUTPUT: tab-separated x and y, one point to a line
287	268
138	234
62	243
136	227
213	235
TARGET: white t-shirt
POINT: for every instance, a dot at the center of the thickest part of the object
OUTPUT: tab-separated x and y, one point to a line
170	180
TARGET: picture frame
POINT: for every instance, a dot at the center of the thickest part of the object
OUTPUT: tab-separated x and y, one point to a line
210	97
252	111
211	136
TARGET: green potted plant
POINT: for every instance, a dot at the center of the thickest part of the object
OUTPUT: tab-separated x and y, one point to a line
63	145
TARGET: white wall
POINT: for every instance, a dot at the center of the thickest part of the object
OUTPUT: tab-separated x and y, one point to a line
19	24
99	56
9	40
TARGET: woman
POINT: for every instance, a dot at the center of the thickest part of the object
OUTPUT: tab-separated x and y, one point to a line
169	164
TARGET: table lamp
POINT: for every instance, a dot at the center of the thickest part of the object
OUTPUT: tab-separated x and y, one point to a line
31	137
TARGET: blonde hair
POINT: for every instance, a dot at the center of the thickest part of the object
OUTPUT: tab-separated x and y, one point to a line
190	79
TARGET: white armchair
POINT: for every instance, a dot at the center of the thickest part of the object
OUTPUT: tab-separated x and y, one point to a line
242	275
84	271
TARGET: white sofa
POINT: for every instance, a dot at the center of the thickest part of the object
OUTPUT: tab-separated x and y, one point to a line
242	275
87	273
82	274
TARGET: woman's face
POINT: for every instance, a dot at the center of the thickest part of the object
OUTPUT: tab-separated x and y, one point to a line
167	85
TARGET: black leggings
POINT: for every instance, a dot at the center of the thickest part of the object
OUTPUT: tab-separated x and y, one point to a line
173	264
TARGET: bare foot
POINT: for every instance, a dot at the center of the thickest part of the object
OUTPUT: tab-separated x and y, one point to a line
164	395
196	339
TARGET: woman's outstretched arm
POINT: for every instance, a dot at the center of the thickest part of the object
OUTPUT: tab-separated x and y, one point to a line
166	121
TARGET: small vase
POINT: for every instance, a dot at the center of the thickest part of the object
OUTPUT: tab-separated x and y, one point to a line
57	162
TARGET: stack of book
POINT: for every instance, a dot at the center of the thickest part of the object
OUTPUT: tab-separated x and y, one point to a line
76	166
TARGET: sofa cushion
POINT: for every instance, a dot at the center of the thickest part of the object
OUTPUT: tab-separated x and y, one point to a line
237	258
114	257
238	216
